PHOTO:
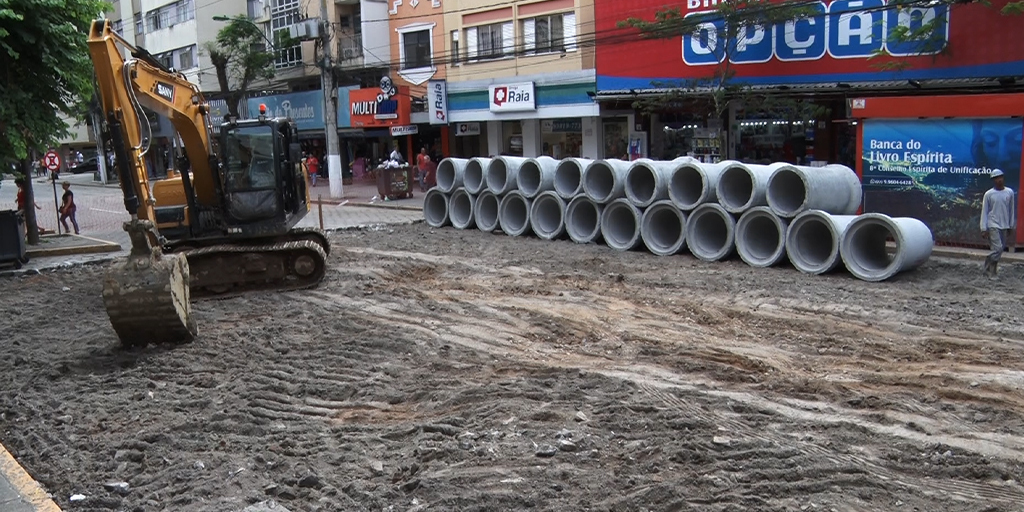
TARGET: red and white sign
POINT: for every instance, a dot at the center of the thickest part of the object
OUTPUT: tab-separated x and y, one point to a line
51	160
512	97
467	129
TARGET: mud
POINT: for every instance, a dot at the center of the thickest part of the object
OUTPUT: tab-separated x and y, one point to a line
448	370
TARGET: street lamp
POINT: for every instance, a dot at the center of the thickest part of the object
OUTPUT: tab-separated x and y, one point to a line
221	17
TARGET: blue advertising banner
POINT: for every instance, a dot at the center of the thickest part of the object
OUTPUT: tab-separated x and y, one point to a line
305	108
938	169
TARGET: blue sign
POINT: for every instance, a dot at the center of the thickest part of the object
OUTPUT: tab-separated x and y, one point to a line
938	169
844	29
305	108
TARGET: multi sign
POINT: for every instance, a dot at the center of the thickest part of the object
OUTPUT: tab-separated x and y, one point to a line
385	106
512	97
832	46
398	131
437	101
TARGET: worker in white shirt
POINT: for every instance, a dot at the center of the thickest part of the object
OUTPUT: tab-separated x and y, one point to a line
998	220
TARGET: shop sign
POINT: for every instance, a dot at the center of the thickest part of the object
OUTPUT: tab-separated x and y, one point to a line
437	100
466	129
377	107
305	108
937	170
562	126
512	97
832	46
398	131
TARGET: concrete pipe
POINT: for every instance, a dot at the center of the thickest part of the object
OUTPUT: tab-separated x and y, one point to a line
485	211
692	184
620	225
710	232
663	228
501	174
604	180
743	186
435	208
583	220
474	173
460	209
536	175
547	216
647	180
514	214
569	177
812	240
864	251
793	188
760	237
449	174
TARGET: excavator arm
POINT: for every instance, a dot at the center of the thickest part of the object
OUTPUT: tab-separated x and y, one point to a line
148	300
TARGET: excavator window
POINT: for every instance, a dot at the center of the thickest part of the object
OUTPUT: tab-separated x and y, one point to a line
250	173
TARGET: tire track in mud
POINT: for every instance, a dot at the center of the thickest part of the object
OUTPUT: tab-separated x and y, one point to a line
490	328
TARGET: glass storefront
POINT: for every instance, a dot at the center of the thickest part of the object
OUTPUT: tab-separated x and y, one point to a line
616	137
775	140
512	132
561	138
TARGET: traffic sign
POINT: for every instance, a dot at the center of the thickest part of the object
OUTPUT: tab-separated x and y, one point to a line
51	160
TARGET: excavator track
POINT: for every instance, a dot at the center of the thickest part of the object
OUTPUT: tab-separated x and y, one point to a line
230	270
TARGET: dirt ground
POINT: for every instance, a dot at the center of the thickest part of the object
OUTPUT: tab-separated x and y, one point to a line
449	370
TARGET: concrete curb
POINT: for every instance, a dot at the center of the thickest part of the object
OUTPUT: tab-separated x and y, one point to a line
387	206
97	247
28	491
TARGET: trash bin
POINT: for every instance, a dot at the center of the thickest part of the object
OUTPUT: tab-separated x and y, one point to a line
394	183
12	238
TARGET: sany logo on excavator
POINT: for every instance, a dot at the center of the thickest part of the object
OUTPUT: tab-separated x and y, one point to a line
165	91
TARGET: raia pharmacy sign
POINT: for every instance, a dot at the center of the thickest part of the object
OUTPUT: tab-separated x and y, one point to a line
512	97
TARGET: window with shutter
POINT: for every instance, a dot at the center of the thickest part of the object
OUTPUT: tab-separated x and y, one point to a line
569	30
529	37
471	44
508	39
455	47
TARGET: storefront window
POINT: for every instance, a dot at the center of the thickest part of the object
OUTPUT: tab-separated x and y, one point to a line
775	140
616	137
562	138
512	131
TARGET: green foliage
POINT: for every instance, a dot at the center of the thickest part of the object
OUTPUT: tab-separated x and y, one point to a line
240	56
1013	8
45	69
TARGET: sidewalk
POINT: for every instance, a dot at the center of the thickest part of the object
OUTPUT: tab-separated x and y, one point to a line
18	491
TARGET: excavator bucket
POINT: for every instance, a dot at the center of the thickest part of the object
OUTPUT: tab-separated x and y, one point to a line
147	298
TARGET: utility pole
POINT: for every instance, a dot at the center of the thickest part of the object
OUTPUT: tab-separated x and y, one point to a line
334	171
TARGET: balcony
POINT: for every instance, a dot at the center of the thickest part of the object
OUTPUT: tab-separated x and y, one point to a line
350	50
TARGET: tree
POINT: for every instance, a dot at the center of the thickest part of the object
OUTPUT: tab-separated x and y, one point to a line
46	71
240	57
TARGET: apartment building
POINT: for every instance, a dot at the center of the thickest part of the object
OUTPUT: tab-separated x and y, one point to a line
520	77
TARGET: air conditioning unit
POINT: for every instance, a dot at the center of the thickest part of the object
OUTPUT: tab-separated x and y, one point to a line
307	29
350	53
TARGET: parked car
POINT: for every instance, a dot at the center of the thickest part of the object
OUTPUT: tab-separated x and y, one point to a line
90	165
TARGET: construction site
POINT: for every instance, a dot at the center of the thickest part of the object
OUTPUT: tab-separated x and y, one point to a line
438	369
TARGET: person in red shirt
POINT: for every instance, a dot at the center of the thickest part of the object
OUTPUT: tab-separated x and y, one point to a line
314	168
20	182
423	167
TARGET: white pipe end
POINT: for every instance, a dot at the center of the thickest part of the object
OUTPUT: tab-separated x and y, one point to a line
569	177
688	187
761	237
583	220
547	216
435	208
514	214
710	232
864	251
663	229
620	225
473	177
460	209
485	211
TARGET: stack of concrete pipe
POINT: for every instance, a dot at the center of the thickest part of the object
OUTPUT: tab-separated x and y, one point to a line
764	213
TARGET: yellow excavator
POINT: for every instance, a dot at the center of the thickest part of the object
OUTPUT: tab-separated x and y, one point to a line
224	226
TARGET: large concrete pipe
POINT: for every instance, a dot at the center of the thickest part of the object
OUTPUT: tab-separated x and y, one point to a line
693	183
514	214
760	237
620	225
663	228
647	180
485	211
604	180
569	177
501	174
449	174
710	232
547	216
743	186
460	209
864	246
812	240
474	174
793	188
435	208
536	175
583	220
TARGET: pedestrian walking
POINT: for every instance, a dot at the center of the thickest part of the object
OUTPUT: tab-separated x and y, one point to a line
998	220
68	208
422	168
20	183
314	168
